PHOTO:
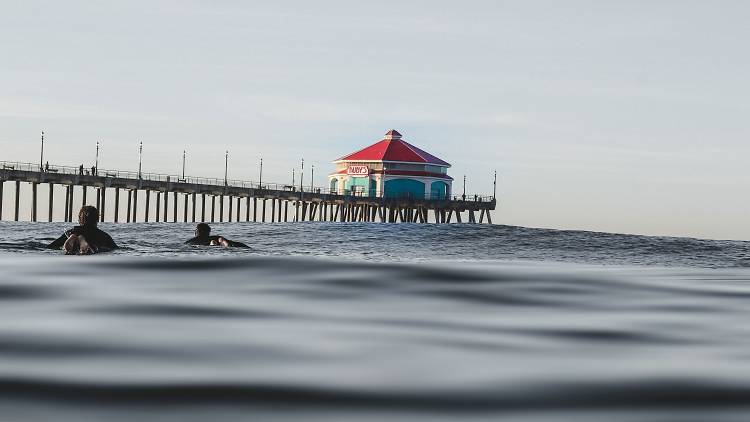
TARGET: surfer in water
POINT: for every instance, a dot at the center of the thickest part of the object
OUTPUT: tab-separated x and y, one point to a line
203	238
86	238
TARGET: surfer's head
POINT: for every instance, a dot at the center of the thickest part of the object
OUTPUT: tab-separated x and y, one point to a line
202	230
88	216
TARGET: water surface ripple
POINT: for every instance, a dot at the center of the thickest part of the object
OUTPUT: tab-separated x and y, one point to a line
370	322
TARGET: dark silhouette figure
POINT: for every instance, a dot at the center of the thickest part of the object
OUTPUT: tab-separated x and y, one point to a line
203	238
80	170
93	171
86	238
46	167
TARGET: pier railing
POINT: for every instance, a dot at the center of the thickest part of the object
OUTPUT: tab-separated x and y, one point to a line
213	181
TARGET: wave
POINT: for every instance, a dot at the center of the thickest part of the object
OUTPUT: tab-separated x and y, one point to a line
651	394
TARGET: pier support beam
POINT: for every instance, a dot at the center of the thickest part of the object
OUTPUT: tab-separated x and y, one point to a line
203	207
148	200
33	201
221	208
185	209
157	217
104	204
49	206
247	209
135	205
237	213
213	208
229	203
263	205
166	206
174	207
117	204
70	205
193	214
18	198
67	199
273	210
489	217
130	203
83	197
255	209
65	208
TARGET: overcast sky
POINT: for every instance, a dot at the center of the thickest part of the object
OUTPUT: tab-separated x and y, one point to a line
622	116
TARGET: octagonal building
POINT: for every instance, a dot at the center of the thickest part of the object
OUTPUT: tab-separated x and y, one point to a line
392	168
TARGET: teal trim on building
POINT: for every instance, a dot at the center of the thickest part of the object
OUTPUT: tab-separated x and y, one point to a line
404	188
358	186
439	190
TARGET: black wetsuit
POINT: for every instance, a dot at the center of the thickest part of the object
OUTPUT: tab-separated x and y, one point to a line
206	241
99	240
201	240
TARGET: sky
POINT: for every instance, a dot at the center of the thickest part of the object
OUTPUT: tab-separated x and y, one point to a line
614	116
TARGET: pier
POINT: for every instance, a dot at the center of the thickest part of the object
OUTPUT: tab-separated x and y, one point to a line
168	198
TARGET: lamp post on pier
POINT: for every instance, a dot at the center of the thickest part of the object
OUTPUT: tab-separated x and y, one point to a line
226	168
464	195
140	158
41	154
292	177
184	152
260	177
382	182
96	161
312	178
302	175
494	187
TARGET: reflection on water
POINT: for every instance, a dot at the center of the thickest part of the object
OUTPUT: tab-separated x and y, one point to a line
195	335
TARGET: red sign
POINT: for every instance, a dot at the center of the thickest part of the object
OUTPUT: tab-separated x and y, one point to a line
358	171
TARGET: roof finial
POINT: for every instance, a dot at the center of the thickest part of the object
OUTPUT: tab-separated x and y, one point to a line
392	134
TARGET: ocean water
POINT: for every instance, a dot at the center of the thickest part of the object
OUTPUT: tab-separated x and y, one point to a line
372	322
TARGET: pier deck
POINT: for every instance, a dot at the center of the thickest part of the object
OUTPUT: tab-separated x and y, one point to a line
313	204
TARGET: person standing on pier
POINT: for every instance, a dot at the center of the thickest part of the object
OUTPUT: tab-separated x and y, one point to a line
86	238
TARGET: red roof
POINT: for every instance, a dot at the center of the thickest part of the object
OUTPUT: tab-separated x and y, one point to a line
393	148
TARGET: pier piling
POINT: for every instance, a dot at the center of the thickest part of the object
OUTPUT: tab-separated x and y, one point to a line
117	204
51	201
148	202
135	205
18	198
193	205
213	208
157	217
130	204
33	201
